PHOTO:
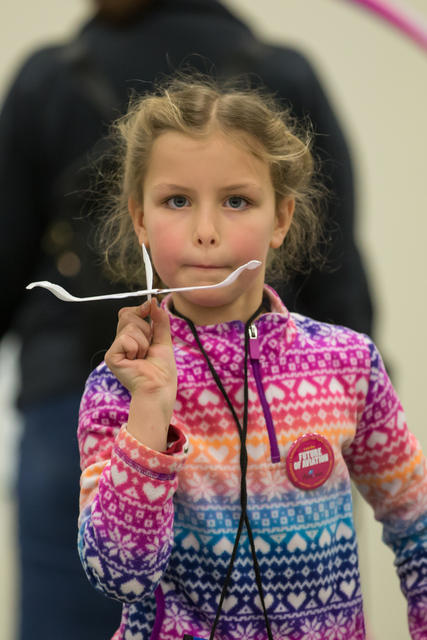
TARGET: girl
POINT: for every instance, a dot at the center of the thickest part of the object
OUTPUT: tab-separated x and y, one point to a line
218	439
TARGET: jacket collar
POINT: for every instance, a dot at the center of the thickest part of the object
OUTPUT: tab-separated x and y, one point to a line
277	318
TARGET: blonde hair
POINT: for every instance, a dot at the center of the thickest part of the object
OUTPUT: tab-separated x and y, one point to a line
197	106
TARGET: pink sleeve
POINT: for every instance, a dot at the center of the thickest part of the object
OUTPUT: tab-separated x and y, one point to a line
127	489
389	469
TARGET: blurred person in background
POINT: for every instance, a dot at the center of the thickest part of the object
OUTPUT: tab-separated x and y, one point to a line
56	112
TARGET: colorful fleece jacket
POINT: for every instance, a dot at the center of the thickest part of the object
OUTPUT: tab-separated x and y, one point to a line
157	529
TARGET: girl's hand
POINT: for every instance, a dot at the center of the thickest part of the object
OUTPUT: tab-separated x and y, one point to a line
142	358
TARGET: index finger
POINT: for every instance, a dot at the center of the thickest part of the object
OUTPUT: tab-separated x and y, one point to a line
135	315
161	324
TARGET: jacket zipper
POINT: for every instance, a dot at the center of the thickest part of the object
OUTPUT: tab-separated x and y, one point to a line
254	353
160	613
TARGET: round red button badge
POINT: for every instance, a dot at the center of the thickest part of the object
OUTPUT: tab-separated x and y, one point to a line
310	461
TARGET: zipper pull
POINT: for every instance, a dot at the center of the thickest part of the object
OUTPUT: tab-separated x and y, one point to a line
253	343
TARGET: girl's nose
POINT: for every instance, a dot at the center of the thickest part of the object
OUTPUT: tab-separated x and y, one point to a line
205	232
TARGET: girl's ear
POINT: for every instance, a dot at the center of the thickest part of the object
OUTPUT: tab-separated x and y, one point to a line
137	215
284	213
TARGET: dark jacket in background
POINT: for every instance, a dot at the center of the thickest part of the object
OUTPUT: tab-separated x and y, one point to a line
52	118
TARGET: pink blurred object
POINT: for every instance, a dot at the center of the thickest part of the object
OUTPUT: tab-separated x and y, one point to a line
399	18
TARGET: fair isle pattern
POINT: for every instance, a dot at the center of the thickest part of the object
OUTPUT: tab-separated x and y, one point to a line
151	521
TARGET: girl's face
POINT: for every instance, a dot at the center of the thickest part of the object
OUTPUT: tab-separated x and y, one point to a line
208	207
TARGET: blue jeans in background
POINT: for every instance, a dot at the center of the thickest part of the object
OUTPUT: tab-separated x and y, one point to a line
56	600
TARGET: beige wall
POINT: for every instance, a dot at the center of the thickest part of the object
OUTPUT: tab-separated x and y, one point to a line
376	78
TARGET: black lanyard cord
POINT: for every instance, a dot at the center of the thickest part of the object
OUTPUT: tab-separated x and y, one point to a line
244	519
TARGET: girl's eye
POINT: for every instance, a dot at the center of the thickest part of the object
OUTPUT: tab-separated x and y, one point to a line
177	202
237	202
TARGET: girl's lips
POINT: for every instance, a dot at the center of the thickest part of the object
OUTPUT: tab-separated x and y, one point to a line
205	266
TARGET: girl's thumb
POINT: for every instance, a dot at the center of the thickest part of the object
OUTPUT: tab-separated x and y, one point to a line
161	324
